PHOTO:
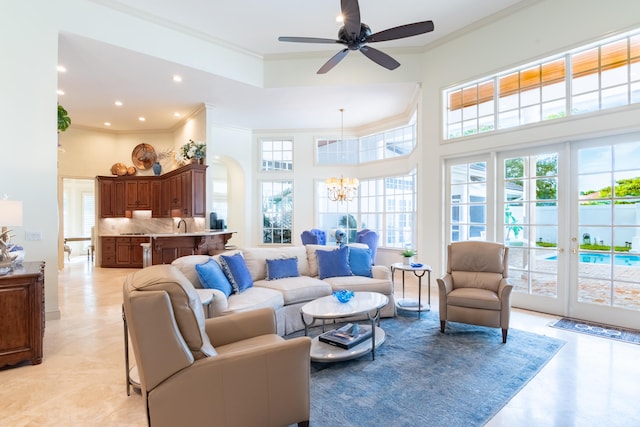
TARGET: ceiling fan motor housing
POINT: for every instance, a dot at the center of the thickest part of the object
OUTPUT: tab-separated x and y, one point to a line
355	43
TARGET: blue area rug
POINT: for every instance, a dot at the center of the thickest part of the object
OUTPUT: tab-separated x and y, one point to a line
421	377
598	330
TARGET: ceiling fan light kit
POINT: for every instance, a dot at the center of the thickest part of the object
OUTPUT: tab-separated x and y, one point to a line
355	35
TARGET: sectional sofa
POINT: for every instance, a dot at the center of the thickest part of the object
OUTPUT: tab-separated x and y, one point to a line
313	276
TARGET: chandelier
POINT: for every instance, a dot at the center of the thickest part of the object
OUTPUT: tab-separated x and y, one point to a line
342	189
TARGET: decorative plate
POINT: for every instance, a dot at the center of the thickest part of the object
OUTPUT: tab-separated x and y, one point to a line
143	156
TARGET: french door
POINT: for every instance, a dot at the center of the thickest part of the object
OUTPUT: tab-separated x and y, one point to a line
570	214
605	234
532	188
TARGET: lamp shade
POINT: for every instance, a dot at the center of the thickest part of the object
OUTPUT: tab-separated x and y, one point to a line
10	213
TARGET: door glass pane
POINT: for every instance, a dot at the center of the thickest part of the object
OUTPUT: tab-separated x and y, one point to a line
468	201
531	223
609	225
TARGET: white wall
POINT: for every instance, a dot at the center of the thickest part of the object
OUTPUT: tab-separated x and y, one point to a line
28	121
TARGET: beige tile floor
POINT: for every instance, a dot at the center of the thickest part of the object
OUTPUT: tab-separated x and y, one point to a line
590	382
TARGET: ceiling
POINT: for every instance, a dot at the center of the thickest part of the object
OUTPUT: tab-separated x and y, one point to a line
98	74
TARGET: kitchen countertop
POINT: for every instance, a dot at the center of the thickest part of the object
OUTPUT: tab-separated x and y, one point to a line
176	234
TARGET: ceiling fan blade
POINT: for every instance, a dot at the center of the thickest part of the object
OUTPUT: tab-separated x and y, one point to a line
380	57
308	40
351	16
333	61
401	32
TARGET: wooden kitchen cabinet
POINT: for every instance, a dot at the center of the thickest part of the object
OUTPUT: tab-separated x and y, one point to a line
122	251
180	193
111	191
22	314
138	194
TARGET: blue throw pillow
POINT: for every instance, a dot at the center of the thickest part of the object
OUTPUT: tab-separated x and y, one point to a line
360	261
237	272
281	268
333	263
212	277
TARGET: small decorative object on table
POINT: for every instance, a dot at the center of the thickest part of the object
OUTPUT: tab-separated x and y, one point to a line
408	255
343	295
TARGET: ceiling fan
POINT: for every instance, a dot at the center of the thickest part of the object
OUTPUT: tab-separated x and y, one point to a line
355	35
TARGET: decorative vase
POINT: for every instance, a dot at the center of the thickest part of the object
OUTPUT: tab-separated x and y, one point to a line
157	168
200	160
408	260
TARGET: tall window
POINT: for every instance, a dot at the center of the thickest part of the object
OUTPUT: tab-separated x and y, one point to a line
277	211
385	205
276	154
594	78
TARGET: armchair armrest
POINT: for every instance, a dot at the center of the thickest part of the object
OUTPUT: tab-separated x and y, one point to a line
239	326
445	284
268	385
504	292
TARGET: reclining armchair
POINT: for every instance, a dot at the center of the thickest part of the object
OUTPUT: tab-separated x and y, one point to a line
226	371
475	289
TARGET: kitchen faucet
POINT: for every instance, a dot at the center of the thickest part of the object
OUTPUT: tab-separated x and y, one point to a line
182	221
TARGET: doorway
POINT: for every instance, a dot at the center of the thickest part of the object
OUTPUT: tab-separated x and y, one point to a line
78	217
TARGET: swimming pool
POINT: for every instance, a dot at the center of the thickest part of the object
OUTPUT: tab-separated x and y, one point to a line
630	260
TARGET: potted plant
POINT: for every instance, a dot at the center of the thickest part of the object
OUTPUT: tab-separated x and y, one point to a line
64	121
408	255
193	150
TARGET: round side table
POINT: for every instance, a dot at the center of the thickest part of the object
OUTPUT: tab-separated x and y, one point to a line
419	271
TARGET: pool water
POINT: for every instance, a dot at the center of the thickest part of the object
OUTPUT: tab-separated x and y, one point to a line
630	260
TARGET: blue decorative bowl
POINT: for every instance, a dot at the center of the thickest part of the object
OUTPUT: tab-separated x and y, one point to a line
343	295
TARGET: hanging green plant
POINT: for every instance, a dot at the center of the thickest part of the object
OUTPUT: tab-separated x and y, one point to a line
64	121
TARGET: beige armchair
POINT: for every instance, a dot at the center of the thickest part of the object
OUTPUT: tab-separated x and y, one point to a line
476	289
227	371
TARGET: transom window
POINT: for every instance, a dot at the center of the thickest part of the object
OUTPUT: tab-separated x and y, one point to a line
384	145
580	81
276	154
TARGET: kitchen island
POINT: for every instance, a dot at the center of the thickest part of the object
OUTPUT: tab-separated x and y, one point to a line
126	250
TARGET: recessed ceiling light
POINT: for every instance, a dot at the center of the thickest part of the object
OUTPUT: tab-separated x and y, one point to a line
118	103
107	123
142	119
176	114
177	78
60	92
339	18
61	69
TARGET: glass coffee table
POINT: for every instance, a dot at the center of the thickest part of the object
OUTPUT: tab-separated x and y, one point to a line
329	308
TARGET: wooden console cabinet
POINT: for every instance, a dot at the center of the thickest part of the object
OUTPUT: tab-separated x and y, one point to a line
22	314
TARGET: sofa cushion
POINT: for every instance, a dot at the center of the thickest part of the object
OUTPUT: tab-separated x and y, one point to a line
359	283
186	304
297	289
251	299
333	263
281	268
312	256
360	261
255	258
212	277
237	272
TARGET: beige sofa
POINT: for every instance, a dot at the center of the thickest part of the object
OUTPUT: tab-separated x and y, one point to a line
287	295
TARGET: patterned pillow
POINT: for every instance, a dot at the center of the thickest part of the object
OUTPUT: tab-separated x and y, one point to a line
333	263
281	268
236	271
